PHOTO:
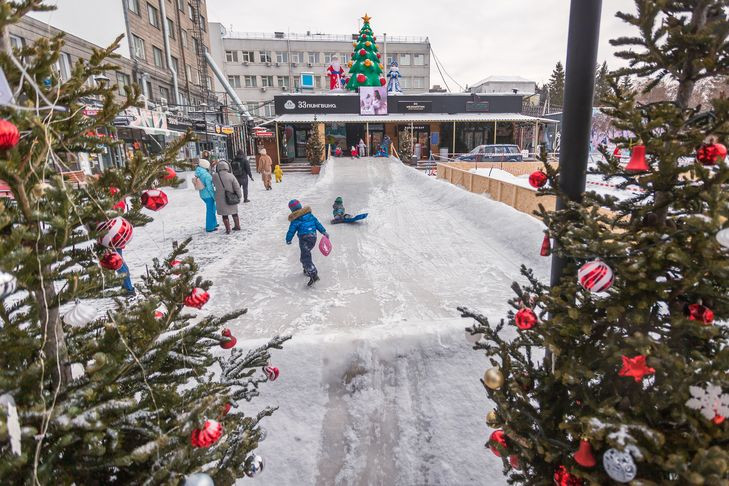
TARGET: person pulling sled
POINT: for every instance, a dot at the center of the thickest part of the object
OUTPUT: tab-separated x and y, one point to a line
304	223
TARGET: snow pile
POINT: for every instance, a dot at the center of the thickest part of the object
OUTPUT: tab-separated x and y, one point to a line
504	176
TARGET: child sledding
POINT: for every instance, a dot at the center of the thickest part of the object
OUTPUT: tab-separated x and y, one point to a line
340	216
306	225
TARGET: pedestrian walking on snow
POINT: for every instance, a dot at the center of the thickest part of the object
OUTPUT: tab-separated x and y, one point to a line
306	225
241	169
227	195
278	173
362	148
265	165
203	182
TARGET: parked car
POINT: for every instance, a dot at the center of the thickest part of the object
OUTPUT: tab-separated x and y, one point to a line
493	153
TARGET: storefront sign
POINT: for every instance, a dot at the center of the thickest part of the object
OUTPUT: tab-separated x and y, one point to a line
414	106
415	128
477	106
139	117
90	111
227	130
263	134
316	104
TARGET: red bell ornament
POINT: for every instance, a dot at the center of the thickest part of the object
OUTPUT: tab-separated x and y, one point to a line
154	199
537	179
637	161
9	135
111	260
584	456
231	339
497	438
197	298
211	432
525	319
546	245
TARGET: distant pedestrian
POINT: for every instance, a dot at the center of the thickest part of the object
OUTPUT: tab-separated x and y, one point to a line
203	182
241	169
278	173
362	148
306	225
353	152
227	195
265	165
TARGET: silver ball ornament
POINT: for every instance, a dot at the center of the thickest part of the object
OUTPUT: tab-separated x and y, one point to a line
619	465
254	465
723	237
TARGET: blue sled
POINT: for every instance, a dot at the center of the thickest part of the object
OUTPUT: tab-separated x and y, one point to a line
353	219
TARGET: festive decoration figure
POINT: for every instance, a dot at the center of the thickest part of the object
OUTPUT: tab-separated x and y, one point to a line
365	69
636	368
393	79
335	72
619	465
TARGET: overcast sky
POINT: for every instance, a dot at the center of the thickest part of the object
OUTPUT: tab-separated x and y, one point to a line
473	39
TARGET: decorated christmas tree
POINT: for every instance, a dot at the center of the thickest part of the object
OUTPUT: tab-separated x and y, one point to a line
314	145
619	372
365	67
96	388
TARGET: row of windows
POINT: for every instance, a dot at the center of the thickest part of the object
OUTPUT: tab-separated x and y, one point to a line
282	57
251	81
153	14
158	58
264	110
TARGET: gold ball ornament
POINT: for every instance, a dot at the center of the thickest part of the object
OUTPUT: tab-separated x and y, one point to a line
349	64
368	44
39	190
368	63
491	418
381	66
493	378
354	44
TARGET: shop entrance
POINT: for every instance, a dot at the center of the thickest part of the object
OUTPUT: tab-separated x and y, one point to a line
301	133
421	135
355	133
377	134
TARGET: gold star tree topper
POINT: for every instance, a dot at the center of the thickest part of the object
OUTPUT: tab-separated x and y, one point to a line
366	19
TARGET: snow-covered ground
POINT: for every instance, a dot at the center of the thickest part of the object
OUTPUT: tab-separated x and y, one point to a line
378	385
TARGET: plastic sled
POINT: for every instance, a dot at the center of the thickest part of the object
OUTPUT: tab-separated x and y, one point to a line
325	246
353	219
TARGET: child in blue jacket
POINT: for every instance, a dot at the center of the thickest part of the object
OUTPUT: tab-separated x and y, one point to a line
306	225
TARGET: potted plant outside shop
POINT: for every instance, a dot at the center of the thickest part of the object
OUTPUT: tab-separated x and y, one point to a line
314	149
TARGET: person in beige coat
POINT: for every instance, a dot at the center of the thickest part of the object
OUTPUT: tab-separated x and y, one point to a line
224	181
265	166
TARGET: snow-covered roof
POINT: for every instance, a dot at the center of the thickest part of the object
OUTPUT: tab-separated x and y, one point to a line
409	117
503	79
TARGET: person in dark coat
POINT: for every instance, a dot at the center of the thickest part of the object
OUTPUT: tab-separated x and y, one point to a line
241	169
225	182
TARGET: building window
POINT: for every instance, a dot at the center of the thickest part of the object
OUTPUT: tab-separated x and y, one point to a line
171	28
191	11
139	51
313	58
164	94
188	72
267	81
175	65
181	5
247	56
404	82
249	81
268	110
405	59
266	56
184	38
344	58
153	15
252	108
282	81
297	83
296	57
122	80
234	81
317	81
159	60
418	59
133	6
418	82
203	25
63	66
391	58
328	57
231	56
17	42
282	57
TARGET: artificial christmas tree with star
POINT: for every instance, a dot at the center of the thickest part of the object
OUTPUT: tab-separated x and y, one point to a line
96	389
623	377
365	68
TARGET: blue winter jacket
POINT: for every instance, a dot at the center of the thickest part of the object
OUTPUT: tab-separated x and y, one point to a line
303	222
208	191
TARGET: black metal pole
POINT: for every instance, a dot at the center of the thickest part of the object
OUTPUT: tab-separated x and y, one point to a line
584	32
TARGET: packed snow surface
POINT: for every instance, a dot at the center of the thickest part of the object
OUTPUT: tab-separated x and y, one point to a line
378	385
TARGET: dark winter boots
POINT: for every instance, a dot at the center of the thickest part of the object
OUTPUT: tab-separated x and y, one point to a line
236	221
226	222
312	279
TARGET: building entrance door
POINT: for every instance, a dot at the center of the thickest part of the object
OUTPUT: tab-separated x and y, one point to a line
300	136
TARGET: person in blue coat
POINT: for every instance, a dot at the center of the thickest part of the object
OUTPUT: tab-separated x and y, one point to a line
207	194
306	225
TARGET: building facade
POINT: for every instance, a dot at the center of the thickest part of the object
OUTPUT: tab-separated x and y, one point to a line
505	84
261	65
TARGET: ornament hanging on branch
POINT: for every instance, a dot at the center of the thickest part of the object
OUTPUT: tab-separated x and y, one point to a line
538	179
710	401
595	276
637	161
271	372
525	319
111	260
210	433
169	173
230	342
711	153
9	135
161	311
8	283
723	237
473	338
254	465
584	456
115	233
514	462
153	199
122	206
197	298
636	368
699	312
497	442
79	315
491	418
562	477
546	249
493	378
619	465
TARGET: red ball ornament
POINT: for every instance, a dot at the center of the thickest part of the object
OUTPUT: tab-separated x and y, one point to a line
115	233
562	477
498	438
537	179
113	190
701	313
362	52
584	456
169	173
197	298
271	372
525	319
154	199
361	78
595	276
379	55
226	408
211	432
231	339
363	37
9	135
111	260
718	419
383	81
121	206
711	153
635	368
175	263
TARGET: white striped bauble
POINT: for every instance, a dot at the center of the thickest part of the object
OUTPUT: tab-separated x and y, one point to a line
115	233
723	237
595	276
79	315
7	284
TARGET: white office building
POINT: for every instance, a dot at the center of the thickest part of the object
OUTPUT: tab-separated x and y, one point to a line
505	84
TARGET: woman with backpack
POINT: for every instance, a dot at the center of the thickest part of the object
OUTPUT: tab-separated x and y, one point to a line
227	195
203	182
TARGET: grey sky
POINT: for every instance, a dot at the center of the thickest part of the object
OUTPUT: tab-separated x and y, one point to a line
472	38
